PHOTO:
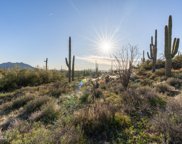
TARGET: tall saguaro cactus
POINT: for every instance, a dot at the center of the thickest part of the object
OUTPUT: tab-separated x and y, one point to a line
46	62
169	50
153	51
68	63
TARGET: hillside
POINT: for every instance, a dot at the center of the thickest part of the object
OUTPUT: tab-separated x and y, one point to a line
55	111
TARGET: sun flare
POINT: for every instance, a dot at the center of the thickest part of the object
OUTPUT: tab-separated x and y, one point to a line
106	42
105	46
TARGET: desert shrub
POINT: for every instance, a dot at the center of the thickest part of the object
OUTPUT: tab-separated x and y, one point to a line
165	88
67	134
142	102
48	113
55	92
19	102
146	82
100	122
177	74
147	65
85	98
20	78
168	122
98	93
174	82
28	134
34	105
160	64
16	104
160	72
70	105
177	62
116	87
140	133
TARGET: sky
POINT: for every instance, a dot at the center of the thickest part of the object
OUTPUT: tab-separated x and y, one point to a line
31	31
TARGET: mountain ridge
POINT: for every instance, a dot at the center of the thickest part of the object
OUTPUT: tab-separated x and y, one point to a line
10	65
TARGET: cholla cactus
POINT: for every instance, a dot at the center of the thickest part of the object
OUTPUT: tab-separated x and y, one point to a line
170	50
153	51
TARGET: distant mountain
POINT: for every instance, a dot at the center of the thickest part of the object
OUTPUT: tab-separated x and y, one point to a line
10	65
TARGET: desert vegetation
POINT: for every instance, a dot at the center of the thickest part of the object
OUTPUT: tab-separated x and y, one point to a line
136	104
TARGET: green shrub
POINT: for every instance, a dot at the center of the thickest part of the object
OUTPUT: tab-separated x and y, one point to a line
55	92
28	134
16	104
141	102
19	102
166	89
84	99
14	79
100	123
177	62
70	105
34	105
174	82
98	93
48	113
160	72
147	65
168	122
146	82
160	64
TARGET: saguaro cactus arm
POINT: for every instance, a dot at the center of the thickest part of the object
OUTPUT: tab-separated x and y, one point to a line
166	42
66	60
175	47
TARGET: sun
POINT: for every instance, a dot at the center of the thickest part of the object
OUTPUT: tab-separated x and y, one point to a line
105	45
105	42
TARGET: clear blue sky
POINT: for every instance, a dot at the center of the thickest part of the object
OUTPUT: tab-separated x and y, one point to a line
31	30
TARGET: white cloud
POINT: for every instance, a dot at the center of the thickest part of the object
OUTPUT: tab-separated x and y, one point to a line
99	59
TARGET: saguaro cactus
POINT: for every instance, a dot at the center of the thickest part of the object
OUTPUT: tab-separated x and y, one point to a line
153	51
143	58
68	63
169	50
46	62
73	68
